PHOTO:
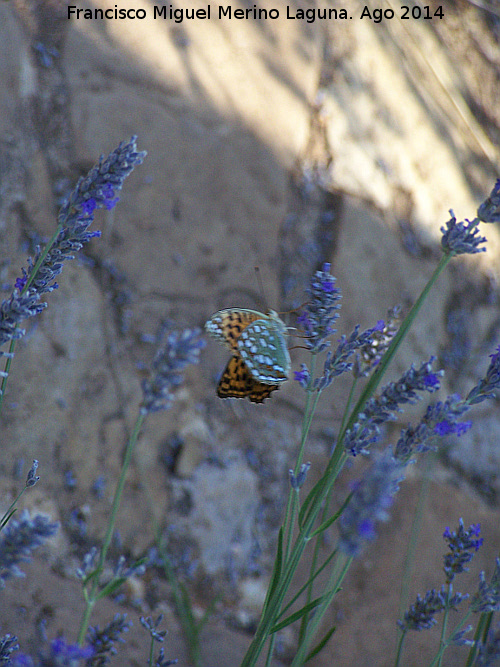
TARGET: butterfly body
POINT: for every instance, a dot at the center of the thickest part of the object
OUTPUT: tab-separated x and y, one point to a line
260	361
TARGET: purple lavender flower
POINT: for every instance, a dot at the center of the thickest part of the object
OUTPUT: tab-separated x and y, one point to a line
8	644
32	478
371	498
460	238
21	660
152	627
421	615
489	211
303	376
89	563
19	538
336	362
103	641
319	315
179	350
462	544
440	419
62	654
370	354
161	661
380	409
296	482
15	309
97	190
484	389
487	597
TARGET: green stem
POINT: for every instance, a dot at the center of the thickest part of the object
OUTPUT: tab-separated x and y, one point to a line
92	596
290	513
399	651
443	645
415	531
481	634
338	573
317	544
32	277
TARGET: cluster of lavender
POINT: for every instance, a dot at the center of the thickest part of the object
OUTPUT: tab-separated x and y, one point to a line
374	493
462	544
178	350
20	537
97	190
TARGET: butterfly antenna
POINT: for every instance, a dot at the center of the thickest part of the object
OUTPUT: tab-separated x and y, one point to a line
261	287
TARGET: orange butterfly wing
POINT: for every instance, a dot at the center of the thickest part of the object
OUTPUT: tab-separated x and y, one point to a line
236	382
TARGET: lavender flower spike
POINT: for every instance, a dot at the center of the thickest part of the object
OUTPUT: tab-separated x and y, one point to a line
460	238
320	313
421	615
19	539
462	544
103	641
371	498
97	190
484	389
179	350
489	211
487	597
32	478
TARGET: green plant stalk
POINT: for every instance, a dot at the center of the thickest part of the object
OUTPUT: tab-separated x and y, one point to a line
444	646
270	650
326	509
183	606
337	576
92	596
272	610
151	653
444	625
399	648
291	508
10	511
412	543
289	519
182	603
306	585
12	345
294	493
481	633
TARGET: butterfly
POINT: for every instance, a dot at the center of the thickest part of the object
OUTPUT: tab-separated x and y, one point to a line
260	361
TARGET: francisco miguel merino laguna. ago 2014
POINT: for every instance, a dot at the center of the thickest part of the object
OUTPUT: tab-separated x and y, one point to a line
178	14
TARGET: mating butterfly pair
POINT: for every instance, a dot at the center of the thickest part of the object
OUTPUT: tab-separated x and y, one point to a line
260	361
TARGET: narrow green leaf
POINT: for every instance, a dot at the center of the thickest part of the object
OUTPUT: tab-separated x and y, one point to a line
326	524
319	647
308	583
296	615
110	587
188	609
208	612
277	568
7	518
309	500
